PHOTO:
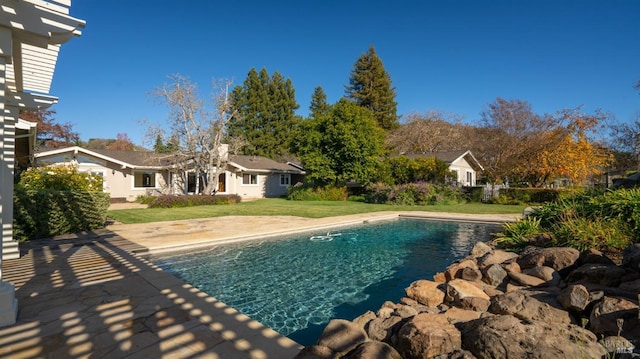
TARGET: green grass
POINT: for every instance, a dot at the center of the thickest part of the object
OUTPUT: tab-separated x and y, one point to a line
283	207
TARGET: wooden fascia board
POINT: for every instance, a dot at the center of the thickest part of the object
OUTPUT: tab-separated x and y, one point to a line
38	22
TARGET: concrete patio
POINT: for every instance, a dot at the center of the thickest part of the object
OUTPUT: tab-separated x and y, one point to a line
90	295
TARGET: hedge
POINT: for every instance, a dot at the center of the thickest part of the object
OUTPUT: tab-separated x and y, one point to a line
47	213
534	195
169	201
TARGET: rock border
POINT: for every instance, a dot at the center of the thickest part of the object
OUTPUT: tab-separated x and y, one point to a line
539	303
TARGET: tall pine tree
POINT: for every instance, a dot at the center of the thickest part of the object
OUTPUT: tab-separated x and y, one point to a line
267	120
370	87
319	105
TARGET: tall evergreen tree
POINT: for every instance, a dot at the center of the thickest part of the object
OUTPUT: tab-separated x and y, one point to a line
370	87
319	105
266	106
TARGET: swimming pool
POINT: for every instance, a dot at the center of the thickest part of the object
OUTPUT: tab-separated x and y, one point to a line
297	285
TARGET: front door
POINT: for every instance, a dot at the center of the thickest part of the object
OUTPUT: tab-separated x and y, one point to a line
222	183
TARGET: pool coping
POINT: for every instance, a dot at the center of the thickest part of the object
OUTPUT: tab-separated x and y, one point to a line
173	236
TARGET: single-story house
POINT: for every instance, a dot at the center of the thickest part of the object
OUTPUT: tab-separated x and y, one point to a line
129	174
462	162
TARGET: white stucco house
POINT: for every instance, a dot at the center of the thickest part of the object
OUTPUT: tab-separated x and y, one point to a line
462	162
129	174
31	35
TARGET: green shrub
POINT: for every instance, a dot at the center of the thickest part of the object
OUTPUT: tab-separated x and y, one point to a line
59	178
583	233
533	195
46	213
421	193
473	194
310	193
169	201
356	198
377	192
145	199
516	234
606	220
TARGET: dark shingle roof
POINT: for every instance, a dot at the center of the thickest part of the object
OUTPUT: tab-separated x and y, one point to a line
136	158
450	156
262	163
153	159
447	157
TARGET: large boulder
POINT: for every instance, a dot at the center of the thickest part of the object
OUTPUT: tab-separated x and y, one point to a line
608	275
364	318
426	292
316	352
593	255
496	257
526	280
428	336
479	249
550	276
467	295
470	274
494	275
631	286
504	336
558	258
530	305
377	350
384	329
405	311
574	297
615	316
342	336
455	270
631	257
456	315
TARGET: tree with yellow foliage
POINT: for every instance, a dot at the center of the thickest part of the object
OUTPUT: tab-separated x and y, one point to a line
569	151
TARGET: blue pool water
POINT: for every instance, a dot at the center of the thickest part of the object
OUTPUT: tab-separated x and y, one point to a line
297	285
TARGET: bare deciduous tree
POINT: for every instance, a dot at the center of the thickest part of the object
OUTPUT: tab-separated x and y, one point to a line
625	140
508	137
199	131
432	132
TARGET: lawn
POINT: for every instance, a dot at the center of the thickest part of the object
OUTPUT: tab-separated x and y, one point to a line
283	207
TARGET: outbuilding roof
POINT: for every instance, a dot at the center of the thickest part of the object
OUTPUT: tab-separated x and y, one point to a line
450	157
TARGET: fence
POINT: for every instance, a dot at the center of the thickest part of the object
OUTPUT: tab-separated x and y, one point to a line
492	191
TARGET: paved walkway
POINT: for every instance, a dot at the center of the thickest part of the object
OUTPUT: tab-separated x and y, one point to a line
89	295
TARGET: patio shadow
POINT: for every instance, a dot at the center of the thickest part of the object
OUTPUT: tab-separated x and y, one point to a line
87	296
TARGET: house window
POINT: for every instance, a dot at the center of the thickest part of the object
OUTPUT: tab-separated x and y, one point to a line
285	179
249	179
469	178
456	176
144	179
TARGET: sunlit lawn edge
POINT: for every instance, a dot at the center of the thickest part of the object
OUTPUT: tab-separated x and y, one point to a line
283	207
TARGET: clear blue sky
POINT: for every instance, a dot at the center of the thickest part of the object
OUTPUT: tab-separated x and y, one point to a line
454	56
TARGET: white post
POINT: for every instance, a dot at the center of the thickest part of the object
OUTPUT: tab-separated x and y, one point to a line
8	301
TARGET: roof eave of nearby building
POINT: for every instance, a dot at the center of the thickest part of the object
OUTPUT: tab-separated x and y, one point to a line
262	170
475	160
77	149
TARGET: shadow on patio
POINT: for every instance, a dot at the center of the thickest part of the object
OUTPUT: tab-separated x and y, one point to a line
88	296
